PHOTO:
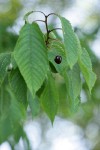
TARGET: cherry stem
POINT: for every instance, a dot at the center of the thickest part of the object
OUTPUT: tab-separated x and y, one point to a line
55	29
45	21
29	13
40	12
52	14
39	20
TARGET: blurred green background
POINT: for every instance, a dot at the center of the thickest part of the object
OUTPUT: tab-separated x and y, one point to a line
70	131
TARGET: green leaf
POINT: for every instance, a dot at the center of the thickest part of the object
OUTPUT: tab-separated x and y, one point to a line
4	62
34	104
18	86
11	119
16	111
71	42
75	105
63	106
50	98
71	77
74	81
31	56
5	128
73	84
86	68
57	48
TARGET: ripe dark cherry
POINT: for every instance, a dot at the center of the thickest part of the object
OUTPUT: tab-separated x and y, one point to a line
58	59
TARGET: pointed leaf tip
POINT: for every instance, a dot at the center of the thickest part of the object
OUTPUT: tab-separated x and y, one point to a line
86	68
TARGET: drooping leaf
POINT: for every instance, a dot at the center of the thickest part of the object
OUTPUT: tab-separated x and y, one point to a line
18	86
4	62
63	106
50	98
16	110
19	132
71	42
31	56
5	128
86	68
73	84
75	81
34	104
71	77
11	119
75	105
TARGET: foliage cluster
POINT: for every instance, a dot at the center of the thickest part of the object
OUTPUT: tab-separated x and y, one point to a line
29	76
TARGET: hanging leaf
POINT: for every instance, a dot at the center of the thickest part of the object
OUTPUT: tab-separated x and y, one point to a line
74	81
71	42
11	119
16	109
31	56
73	84
71	77
63	106
18	86
75	105
49	98
86	68
4	62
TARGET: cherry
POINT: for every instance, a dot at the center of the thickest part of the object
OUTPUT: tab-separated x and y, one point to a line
58	59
